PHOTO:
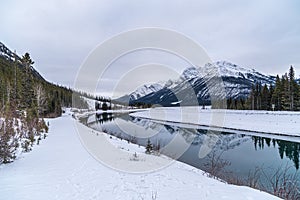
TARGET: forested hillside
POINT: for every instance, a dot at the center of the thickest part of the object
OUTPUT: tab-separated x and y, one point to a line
25	99
22	88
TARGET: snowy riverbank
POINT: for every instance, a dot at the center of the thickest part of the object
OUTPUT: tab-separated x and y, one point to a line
61	168
278	122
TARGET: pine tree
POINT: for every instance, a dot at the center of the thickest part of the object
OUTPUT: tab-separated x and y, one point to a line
252	98
104	106
292	89
229	103
276	97
15	90
271	92
265	104
285	93
149	147
297	97
258	96
27	92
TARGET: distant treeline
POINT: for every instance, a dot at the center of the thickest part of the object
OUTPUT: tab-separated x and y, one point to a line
106	103
284	95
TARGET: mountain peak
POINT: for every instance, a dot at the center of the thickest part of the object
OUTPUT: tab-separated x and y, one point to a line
237	83
190	72
228	69
226	66
145	90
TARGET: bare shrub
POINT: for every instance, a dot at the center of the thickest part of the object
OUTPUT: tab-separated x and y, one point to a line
253	178
283	184
215	166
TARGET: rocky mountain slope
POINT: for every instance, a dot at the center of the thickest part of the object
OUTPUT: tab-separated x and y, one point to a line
196	85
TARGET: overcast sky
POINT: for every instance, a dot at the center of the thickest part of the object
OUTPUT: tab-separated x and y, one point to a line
60	34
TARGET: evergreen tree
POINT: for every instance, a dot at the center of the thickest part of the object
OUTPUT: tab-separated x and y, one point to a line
276	97
27	92
258	96
271	92
285	93
252	98
296	96
293	89
265	100
229	103
104	106
8	143
15	95
149	147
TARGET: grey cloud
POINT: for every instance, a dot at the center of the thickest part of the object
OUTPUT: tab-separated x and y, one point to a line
60	34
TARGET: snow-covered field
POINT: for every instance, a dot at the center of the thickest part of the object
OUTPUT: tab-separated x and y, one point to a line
278	122
61	168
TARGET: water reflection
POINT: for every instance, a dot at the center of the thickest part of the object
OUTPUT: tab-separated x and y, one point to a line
104	117
244	152
193	136
287	149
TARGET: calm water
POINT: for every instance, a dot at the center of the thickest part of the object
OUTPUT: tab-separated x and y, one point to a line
243	153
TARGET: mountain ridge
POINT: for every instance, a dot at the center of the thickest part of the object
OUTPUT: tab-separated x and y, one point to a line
236	80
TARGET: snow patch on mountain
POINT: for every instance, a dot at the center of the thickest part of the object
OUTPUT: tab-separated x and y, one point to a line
7	53
145	90
228	69
190	73
233	70
222	78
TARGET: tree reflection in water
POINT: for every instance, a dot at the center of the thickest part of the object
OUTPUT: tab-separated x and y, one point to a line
290	149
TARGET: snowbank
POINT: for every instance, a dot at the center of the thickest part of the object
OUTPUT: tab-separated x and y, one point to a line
61	168
277	122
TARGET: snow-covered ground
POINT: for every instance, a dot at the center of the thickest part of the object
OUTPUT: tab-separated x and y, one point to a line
278	122
61	168
90	102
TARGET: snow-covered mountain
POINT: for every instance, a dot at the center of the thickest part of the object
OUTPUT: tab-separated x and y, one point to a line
189	73
196	85
145	90
227	69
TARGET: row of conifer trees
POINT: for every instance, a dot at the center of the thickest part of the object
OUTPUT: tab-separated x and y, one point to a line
284	95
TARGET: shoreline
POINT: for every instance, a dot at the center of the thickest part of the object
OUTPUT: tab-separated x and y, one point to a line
258	122
63	162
